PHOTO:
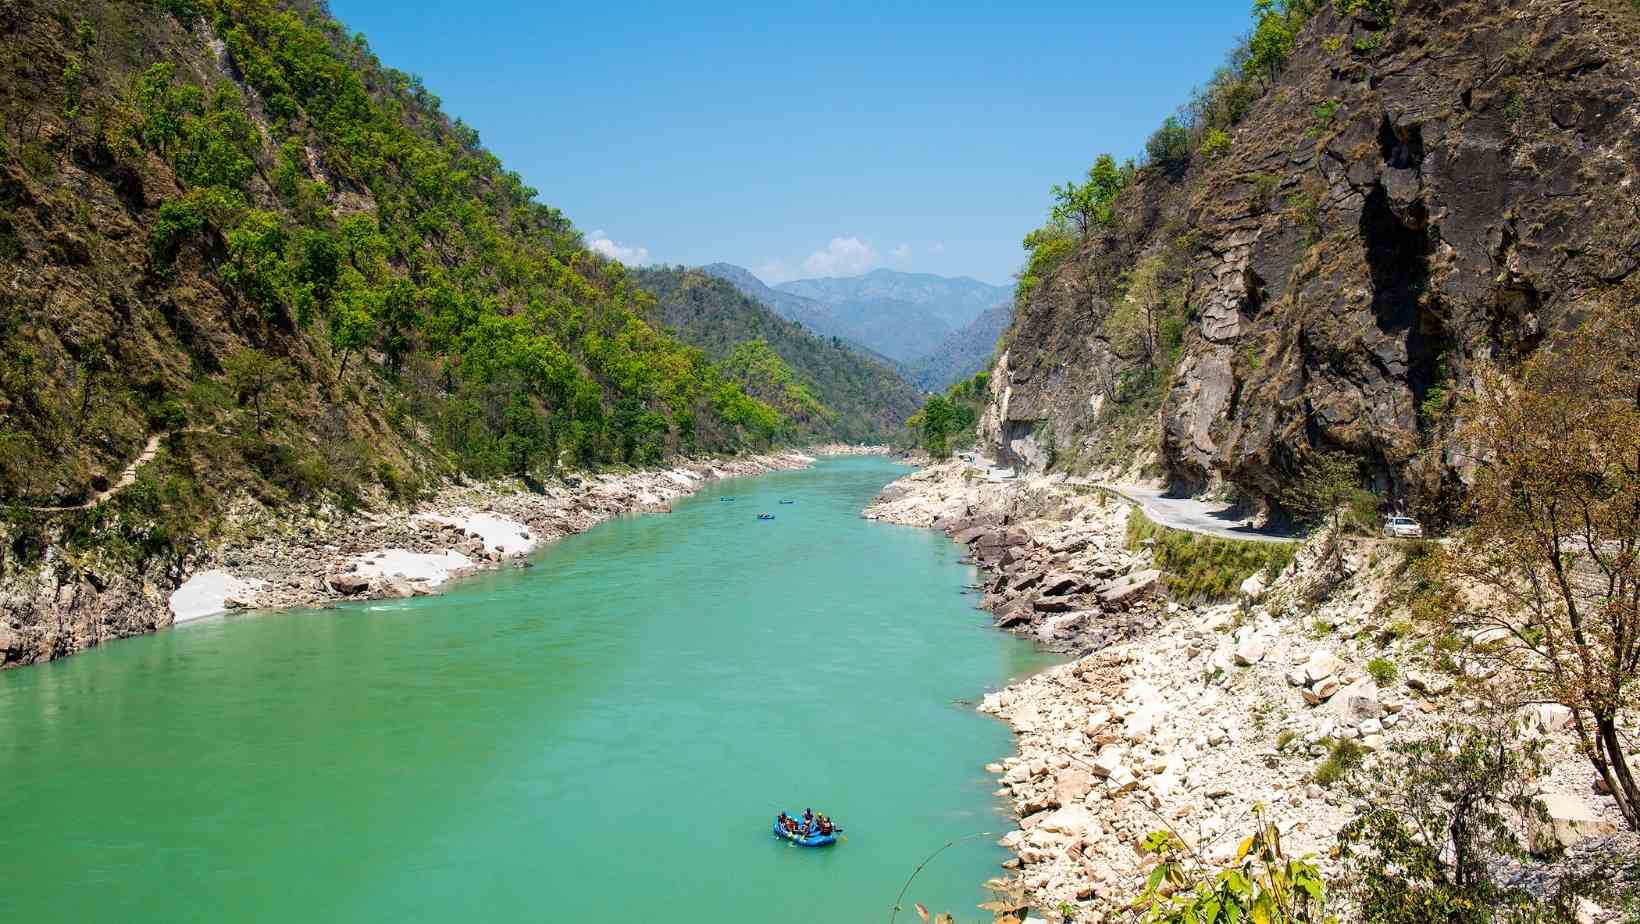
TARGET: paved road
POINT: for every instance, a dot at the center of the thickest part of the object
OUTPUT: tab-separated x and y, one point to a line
1212	518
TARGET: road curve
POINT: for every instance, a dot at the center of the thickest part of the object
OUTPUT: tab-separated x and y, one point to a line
1210	518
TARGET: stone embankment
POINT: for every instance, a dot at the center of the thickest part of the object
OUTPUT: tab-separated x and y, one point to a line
1183	716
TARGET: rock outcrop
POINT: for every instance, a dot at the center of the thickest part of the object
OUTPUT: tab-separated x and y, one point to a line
1408	198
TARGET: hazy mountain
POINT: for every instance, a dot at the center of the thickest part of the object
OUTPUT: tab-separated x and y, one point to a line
863	399
954	301
897	317
816	316
963	353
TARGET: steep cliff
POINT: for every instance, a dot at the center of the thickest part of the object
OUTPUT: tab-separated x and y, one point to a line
1423	185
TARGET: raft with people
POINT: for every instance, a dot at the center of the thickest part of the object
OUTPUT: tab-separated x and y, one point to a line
807	830
765	516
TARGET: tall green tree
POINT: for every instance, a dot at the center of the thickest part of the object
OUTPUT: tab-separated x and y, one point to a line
259	380
1091	204
1324	486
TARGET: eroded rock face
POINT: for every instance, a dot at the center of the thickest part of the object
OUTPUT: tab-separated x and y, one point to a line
1384	221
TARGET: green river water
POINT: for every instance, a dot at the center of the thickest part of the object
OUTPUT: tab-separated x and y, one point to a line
604	737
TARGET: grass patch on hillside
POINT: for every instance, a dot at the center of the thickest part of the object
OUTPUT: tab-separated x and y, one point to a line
1200	568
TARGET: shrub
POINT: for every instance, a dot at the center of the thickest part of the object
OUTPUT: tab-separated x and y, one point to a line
1382	670
1343	756
1287	736
1431	829
1169	147
1215	144
1263	884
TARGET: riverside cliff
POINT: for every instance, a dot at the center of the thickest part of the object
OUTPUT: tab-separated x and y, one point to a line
1421	186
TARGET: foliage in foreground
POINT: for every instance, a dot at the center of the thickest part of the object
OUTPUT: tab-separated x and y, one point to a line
1556	536
1434	819
1199	568
1262	885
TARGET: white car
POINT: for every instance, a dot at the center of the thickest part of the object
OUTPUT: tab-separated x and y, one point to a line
1403	528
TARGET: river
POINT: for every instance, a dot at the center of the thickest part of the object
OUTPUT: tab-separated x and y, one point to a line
603	737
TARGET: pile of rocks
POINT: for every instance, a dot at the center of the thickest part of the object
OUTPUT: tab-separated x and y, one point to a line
1055	571
1182	717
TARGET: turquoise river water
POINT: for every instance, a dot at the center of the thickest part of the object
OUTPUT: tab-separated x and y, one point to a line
604	737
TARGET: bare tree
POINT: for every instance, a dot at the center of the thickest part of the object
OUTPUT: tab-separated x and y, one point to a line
1554	552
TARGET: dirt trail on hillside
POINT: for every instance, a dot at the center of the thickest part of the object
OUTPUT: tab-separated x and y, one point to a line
126	478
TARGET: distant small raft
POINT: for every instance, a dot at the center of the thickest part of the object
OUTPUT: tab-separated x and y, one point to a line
765	516
813	840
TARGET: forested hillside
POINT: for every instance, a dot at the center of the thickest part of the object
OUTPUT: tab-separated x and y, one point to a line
227	223
963	352
780	362
1368	202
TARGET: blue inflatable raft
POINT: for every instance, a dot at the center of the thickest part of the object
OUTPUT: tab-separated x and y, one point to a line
813	840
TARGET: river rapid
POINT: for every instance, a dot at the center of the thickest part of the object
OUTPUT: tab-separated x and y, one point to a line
605	736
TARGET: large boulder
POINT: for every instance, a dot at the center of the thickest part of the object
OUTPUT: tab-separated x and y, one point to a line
396	588
348	584
1059	584
1430	684
1249	651
1570	822
1253	588
1357	702
1072	819
1125	590
1322	663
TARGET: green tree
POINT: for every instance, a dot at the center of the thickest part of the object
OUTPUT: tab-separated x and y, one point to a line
352	317
256	266
1274	32
1433	822
1169	147
1091	204
1324	486
259	379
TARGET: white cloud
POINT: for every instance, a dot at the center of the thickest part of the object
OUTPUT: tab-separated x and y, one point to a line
844	256
937	247
773	272
631	256
901	253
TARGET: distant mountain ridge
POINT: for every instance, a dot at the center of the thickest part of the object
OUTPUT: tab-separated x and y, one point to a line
963	353
862	398
926	326
956	301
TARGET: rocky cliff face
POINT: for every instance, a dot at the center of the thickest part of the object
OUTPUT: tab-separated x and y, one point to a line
1409	197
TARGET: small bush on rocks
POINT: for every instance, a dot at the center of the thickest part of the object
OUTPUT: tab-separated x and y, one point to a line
1382	670
1343	756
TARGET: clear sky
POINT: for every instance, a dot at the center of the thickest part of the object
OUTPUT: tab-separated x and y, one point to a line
822	139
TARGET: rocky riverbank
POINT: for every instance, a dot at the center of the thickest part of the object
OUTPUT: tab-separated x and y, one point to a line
287	558
1184	716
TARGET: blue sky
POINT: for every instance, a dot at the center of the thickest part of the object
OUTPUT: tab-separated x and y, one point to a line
826	139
